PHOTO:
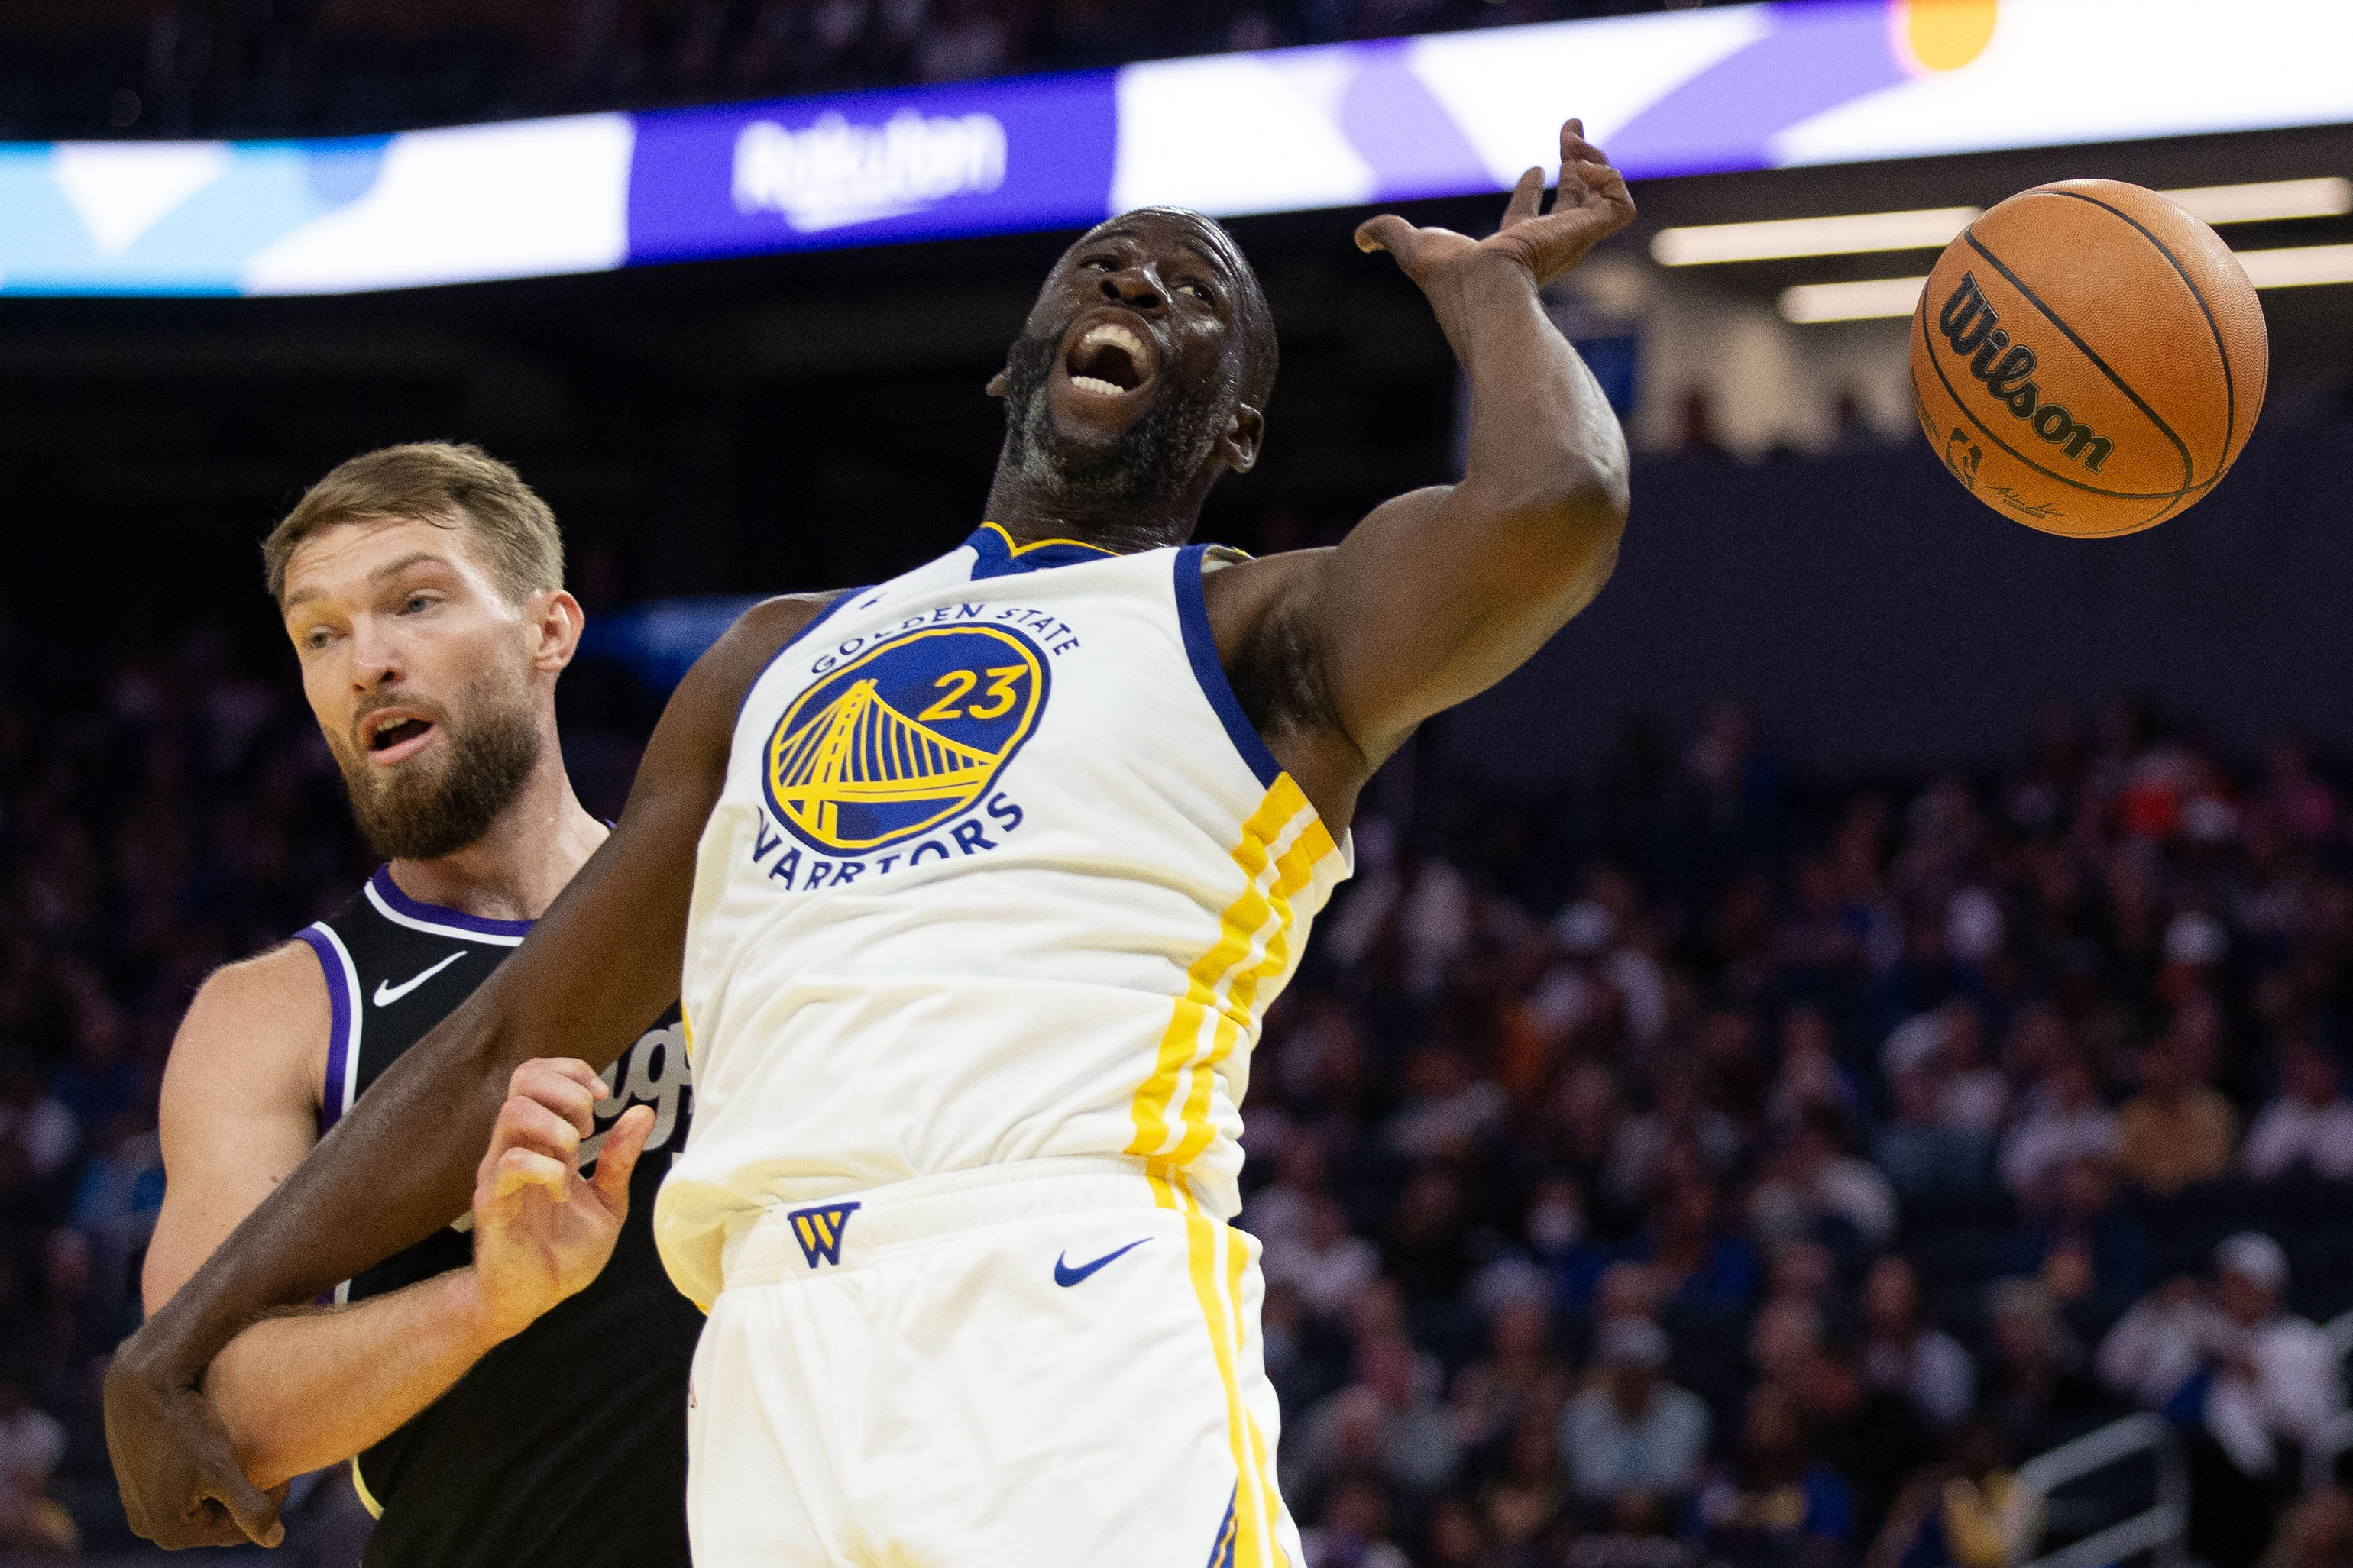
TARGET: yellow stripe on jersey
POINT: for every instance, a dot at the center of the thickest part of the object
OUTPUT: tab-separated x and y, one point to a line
1237	1261
1256	1501
1294	868
368	1498
1282	844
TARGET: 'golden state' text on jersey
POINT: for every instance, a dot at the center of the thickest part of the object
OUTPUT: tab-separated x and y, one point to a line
1000	872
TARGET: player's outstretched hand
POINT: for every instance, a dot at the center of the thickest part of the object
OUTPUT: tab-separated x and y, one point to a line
541	1230
1591	206
174	1461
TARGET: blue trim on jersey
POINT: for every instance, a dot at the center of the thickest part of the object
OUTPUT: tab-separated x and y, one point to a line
479	924
339	1031
1000	557
1201	647
1221	1555
787	645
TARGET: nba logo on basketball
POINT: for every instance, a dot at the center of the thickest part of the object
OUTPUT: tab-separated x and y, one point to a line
819	1231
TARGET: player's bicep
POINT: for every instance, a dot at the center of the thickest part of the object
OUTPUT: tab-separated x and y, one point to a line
240	1105
1433	598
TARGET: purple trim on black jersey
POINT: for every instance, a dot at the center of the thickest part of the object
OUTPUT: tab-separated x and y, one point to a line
339	1031
480	925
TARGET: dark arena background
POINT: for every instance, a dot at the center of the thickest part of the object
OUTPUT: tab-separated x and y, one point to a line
1885	948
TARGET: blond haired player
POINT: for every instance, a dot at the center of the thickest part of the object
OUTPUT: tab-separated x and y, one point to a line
979	880
422	587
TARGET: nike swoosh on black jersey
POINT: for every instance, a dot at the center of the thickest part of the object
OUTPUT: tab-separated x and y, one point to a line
1066	1275
387	992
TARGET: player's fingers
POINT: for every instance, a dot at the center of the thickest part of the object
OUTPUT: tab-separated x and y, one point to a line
204	1521
1590	194
523	1168
1388	232
563	1084
1606	187
618	1158
1598	174
525	1122
1528	196
541	1070
255	1510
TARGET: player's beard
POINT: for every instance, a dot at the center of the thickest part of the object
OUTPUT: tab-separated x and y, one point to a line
446	799
1139	471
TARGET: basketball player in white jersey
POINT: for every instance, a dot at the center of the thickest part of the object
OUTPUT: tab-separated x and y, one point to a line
980	881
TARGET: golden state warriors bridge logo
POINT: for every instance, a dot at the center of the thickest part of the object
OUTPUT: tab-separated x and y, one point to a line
904	737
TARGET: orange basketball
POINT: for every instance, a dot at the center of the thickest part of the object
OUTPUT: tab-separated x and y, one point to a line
2088	358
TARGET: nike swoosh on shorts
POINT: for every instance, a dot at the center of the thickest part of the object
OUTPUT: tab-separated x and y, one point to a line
1066	1275
386	994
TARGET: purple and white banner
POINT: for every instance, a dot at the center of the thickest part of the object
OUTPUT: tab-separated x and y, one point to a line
872	168
1725	88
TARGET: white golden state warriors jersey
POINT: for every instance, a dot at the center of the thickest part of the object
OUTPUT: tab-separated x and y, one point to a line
1000	871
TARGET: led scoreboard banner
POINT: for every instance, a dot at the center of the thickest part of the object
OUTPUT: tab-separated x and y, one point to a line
1731	88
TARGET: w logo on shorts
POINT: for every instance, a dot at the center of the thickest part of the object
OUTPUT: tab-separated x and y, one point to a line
819	1230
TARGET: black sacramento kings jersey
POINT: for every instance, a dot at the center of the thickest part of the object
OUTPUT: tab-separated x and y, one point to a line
565	1446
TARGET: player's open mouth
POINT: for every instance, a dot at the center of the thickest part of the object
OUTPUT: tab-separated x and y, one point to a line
1110	359
393	734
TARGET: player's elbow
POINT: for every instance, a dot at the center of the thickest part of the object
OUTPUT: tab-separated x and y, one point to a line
1594	509
1575	513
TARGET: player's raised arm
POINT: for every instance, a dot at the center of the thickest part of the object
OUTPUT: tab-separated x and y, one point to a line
602	961
1439	594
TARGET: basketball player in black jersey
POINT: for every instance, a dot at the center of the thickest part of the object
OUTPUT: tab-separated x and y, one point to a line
1335	657
508	1404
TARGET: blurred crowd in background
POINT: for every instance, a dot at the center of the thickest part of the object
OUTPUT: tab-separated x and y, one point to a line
1703	1165
1714	1166
276	68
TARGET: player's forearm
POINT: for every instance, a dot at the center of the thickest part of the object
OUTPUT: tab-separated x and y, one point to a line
1546	452
310	1389
400	1163
396	1168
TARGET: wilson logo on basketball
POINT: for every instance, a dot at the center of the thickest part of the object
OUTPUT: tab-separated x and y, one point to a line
1973	328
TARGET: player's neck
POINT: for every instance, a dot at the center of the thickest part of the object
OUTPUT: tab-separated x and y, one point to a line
513	871
1124	526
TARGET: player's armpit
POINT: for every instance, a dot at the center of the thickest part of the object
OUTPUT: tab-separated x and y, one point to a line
601	963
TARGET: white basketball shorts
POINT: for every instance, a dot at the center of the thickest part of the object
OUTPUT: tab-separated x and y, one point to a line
1049	1364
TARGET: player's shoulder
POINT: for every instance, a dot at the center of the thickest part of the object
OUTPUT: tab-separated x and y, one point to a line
726	671
285	975
271	1007
776	620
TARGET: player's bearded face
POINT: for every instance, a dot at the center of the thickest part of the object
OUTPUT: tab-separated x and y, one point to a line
1158	453
446	797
